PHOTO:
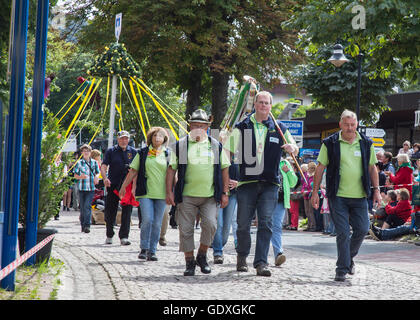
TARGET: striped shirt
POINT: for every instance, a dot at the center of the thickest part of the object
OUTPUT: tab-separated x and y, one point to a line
82	167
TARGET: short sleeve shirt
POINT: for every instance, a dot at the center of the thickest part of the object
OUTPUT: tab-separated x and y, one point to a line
156	167
351	170
199	176
260	131
90	169
117	161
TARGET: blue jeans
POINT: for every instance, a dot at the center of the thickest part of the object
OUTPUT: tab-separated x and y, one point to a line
152	211
224	222
346	212
278	217
262	197
85	201
388	234
235	225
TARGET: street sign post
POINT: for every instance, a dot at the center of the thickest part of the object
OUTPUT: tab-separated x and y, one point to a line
118	19
295	128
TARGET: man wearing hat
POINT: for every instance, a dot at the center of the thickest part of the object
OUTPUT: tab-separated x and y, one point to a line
116	161
202	187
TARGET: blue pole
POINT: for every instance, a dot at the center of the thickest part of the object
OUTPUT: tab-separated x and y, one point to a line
14	139
36	126
1	179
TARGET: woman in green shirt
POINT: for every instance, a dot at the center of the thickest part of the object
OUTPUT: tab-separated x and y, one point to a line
148	170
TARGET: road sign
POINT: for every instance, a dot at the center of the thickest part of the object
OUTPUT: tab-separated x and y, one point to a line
118	19
295	128
378	142
375	132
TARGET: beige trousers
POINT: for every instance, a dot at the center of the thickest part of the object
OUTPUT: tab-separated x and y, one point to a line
186	213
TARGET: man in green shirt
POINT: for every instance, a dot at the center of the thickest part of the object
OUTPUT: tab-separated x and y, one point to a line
349	158
202	186
259	147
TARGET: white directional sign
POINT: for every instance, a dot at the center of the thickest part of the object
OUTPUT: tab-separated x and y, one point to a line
295	128
375	132
118	19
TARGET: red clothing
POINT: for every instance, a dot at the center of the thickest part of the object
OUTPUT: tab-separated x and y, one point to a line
128	199
307	186
401	210
404	175
294	214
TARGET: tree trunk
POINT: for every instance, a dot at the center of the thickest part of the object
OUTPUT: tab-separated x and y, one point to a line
193	93
219	95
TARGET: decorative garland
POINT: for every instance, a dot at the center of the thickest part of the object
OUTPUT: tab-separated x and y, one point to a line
115	60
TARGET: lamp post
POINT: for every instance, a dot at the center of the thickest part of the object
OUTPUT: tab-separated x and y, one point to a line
338	59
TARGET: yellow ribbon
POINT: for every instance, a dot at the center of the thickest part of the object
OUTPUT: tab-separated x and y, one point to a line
160	108
138	108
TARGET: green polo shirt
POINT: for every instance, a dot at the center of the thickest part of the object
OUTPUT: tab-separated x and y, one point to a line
351	170
155	174
199	175
260	133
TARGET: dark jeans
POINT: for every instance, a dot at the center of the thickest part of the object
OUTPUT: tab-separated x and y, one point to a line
260	196
388	234
111	208
346	212
318	218
85	200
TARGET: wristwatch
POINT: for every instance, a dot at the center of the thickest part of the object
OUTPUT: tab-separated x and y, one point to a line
225	193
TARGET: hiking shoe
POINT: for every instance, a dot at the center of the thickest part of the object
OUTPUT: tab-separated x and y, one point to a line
108	241
125	242
201	260
162	242
143	254
339	276
218	259
375	233
241	265
262	270
280	259
190	267
151	256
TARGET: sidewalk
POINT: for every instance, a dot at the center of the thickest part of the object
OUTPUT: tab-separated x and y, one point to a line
95	271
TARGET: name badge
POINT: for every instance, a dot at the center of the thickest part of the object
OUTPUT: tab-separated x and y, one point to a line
357	153
274	139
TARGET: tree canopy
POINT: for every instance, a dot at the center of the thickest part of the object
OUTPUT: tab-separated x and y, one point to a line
196	45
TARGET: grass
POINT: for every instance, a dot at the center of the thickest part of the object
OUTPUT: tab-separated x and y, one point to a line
39	282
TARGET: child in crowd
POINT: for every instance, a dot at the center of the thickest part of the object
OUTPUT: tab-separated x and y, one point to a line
399	214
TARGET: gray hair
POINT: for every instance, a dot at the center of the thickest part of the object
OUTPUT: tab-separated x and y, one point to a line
403	157
264	93
348	114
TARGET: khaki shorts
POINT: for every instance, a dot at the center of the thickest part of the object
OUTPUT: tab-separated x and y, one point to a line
186	215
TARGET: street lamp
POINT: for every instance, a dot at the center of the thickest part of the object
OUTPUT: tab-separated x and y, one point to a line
338	59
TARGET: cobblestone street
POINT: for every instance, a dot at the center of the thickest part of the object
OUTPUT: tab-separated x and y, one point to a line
95	271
